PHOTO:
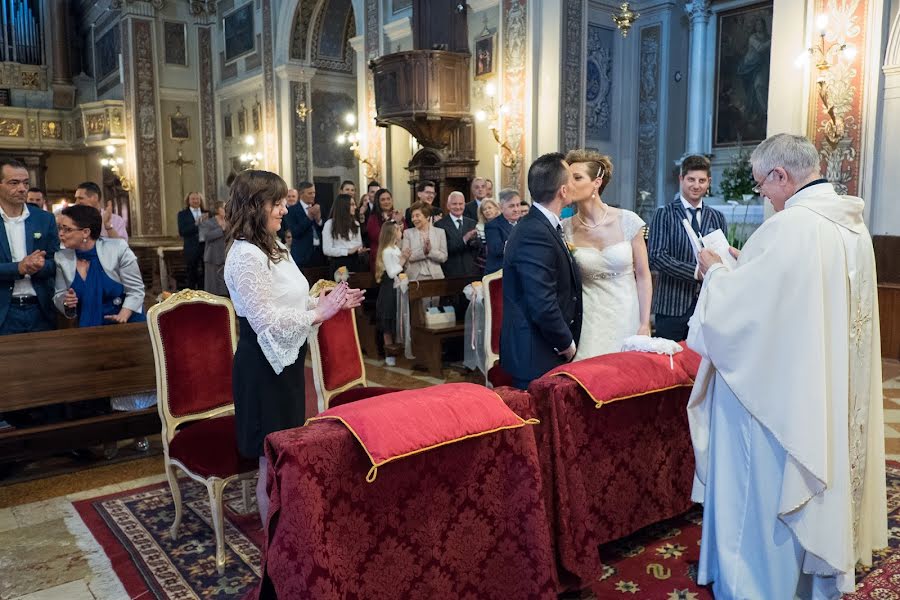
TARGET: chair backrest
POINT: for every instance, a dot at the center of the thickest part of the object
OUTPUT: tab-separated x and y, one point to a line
337	360
492	286
194	337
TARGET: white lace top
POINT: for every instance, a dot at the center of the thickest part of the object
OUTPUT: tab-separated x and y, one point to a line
274	298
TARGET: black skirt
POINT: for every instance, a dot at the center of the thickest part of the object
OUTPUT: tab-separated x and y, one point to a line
386	306
263	401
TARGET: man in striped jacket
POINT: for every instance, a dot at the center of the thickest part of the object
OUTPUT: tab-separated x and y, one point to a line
678	281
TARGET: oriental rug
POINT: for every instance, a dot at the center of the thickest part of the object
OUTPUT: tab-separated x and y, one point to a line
657	563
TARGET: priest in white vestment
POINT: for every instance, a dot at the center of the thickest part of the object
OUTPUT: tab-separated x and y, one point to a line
786	414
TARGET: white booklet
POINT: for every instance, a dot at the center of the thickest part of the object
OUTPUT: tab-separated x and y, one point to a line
715	241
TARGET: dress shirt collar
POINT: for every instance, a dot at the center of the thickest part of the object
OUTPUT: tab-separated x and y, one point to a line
688	205
553	218
16	220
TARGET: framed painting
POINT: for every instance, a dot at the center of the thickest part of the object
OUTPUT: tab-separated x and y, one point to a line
743	47
238	32
484	56
179	127
175	36
226	126
255	116
242	121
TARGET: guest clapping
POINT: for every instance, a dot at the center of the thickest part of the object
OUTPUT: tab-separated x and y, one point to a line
97	278
427	245
384	211
462	238
341	235
214	252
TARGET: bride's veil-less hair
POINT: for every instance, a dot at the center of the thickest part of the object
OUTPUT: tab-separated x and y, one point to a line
253	192
600	165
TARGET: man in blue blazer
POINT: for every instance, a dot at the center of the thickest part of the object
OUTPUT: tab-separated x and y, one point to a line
671	254
497	232
304	220
28	242
541	287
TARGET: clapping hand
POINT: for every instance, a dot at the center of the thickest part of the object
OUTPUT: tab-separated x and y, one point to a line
426	246
70	300
32	263
122	317
469	235
405	254
315	213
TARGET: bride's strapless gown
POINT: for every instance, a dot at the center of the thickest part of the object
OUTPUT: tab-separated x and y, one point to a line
608	291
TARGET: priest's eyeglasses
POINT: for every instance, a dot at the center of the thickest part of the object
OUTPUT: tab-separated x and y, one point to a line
758	187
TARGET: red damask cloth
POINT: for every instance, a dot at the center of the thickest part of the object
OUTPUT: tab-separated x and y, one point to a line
607	472
465	520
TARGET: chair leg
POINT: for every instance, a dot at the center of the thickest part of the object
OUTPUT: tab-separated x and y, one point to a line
172	476
246	496
216	489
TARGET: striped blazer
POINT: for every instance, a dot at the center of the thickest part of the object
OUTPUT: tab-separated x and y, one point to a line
672	257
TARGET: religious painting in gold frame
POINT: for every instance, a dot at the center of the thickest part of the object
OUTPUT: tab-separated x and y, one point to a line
179	127
484	56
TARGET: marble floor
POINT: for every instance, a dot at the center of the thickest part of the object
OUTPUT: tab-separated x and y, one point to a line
47	553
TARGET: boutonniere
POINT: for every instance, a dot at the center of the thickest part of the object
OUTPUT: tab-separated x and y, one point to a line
37	235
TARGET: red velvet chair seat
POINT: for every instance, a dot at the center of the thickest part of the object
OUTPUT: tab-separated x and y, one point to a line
209	448
360	393
498	377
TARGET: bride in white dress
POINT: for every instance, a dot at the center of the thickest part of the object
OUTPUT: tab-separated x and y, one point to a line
609	248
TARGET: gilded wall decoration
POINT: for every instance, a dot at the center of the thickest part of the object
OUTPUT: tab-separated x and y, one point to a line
51	130
147	148
374	135
572	76
514	26
327	118
207	114
839	140
12	128
598	87
30	80
96	123
300	93
648	123
25	77
116	126
268	41
33	131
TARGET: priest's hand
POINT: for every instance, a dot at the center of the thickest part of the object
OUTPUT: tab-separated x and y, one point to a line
706	259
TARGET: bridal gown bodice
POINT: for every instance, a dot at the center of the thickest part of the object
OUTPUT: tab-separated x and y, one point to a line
608	290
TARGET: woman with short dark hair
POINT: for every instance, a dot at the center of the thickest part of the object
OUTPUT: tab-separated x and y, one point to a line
276	315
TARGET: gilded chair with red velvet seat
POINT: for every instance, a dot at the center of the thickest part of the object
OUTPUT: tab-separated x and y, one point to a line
339	372
194	336
493	319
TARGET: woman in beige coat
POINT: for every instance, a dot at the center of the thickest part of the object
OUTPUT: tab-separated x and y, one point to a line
424	245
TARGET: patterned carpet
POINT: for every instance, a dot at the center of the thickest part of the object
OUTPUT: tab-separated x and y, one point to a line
658	562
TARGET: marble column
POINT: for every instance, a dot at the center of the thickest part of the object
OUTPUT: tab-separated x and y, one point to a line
61	81
698	11
207	115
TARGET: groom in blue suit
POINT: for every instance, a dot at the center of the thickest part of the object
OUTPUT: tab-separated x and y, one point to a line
541	287
28	242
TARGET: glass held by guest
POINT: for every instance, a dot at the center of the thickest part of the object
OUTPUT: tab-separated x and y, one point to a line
97	278
276	316
611	255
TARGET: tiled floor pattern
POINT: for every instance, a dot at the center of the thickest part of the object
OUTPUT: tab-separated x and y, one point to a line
46	552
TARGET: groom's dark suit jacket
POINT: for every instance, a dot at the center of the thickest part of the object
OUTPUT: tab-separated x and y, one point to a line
541	300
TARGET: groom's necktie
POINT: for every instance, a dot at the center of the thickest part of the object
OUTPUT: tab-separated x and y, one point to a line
695	225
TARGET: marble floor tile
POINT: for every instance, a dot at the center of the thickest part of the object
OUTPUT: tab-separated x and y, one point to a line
892	445
891	431
892	415
35	513
39	557
7	519
74	590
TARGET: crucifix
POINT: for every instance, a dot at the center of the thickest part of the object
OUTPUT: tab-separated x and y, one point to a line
180	162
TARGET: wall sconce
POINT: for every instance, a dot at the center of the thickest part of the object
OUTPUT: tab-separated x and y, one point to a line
509	157
303	111
251	157
625	18
825	55
115	164
351	137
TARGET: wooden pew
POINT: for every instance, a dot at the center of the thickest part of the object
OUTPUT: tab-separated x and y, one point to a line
70	365
427	342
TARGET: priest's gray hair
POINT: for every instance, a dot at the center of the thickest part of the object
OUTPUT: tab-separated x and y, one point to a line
794	153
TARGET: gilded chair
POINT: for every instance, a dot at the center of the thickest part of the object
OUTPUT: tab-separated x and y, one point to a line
339	372
492	285
194	337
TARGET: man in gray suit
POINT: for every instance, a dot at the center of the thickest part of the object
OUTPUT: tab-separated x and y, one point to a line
671	254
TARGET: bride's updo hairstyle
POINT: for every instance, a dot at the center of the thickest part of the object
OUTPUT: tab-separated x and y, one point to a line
598	165
250	200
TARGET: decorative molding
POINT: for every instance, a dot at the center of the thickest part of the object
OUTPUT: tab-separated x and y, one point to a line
269	124
301	132
344	63
648	122
513	24
301	29
697	10
398	29
572	76
599	81
23	77
146	139
480	5
179	94
295	72
207	114
240	88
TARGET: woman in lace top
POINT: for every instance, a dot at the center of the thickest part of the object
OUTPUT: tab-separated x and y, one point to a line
276	316
609	249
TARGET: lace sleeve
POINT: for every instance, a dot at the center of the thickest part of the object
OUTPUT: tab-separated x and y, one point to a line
631	224
281	330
